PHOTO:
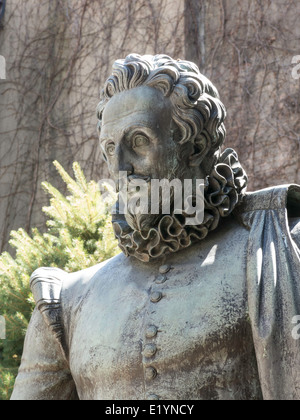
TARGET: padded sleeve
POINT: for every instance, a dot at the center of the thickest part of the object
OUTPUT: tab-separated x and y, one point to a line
44	373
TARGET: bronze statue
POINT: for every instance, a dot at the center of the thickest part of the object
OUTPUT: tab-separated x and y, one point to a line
201	311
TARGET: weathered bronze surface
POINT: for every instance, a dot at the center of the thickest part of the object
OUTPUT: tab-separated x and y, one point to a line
186	312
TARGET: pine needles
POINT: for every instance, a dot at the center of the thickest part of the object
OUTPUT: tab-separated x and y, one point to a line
78	235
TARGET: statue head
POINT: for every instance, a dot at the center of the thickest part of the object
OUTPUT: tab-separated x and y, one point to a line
160	118
189	103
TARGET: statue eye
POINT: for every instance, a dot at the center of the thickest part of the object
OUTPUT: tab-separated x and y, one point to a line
110	149
140	140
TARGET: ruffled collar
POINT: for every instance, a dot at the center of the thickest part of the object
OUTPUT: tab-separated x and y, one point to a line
223	191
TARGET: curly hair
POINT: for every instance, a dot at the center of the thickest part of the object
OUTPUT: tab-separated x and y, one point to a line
198	112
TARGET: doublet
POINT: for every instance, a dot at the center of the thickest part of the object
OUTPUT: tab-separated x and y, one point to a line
213	321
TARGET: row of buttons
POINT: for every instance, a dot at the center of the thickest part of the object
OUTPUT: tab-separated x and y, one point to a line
150	349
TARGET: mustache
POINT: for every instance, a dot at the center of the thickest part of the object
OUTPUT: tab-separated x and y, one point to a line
134	177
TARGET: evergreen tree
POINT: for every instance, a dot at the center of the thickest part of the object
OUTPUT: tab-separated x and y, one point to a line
79	235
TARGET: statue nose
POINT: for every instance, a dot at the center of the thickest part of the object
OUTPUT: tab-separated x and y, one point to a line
126	167
122	164
122	171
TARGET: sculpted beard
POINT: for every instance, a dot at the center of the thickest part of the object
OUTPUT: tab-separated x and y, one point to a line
147	236
138	214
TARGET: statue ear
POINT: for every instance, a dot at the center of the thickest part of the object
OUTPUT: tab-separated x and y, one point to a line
201	148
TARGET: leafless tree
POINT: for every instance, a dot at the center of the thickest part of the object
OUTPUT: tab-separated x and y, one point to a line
59	52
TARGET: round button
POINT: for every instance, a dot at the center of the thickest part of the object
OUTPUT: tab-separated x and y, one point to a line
161	279
149	350
163	269
151	331
152	397
155	297
150	373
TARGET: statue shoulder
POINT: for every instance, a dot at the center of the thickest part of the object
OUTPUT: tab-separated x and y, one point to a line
54	289
56	292
283	198
77	285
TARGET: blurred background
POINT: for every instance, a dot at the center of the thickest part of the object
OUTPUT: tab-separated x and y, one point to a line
59	52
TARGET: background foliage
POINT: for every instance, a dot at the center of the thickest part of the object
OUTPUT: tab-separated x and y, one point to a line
78	235
58	54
